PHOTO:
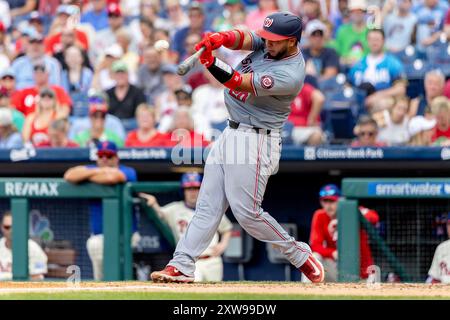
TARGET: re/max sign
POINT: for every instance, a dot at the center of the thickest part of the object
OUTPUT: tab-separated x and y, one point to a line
48	189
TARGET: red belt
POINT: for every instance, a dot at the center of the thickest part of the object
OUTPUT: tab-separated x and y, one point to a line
204	257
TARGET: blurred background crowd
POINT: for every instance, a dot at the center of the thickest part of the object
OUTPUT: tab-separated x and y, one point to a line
74	72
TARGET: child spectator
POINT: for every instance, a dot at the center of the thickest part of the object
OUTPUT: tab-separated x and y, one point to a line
393	123
146	134
421	131
440	108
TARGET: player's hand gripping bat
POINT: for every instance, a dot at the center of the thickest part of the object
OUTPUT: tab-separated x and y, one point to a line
189	63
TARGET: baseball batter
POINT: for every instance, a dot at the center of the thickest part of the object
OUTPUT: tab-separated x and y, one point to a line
178	214
440	267
258	97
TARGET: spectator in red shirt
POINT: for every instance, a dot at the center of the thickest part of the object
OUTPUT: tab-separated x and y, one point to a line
35	129
323	237
447	89
182	131
440	108
25	101
54	42
305	116
366	131
146	134
57	134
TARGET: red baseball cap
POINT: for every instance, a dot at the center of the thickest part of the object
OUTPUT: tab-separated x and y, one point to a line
114	10
93	108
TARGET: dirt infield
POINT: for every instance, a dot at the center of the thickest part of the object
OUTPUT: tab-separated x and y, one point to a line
257	288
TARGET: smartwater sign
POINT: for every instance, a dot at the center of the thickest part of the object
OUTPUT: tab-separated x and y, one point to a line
434	189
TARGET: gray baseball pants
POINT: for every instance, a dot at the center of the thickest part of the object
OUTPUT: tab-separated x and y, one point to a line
236	173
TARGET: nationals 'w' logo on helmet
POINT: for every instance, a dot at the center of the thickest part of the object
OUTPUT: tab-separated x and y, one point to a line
268	22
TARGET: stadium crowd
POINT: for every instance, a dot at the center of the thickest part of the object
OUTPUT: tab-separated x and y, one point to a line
74	72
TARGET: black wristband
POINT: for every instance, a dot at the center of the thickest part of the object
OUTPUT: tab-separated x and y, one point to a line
222	71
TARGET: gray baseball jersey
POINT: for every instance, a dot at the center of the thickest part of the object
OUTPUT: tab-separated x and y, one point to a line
240	185
275	84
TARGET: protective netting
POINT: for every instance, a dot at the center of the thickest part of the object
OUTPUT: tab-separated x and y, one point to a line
61	227
404	241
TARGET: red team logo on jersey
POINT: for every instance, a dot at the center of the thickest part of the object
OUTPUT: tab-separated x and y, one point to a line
268	22
267	82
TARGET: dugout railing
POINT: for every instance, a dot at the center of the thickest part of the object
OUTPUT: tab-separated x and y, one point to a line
129	199
403	242
20	191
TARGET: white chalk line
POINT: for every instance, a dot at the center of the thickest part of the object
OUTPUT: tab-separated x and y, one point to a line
74	288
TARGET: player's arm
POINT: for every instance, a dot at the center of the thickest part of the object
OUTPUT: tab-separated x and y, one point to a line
317	240
108	176
79	174
234	39
152	202
220	248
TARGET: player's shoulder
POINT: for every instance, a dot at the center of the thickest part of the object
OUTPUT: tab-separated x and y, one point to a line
174	206
129	172
33	245
319	213
444	246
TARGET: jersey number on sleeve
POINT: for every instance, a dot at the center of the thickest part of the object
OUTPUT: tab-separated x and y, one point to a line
241	96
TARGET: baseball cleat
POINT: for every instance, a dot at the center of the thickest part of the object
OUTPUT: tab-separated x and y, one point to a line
171	274
313	270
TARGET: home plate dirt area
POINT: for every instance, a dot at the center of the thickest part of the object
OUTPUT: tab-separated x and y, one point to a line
222	290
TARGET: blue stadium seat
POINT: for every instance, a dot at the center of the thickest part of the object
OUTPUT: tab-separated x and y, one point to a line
417	69
439	56
340	112
80	107
407	56
333	84
129	124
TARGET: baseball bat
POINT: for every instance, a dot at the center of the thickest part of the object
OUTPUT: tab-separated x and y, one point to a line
189	63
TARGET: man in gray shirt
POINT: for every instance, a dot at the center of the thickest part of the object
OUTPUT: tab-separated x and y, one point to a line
399	26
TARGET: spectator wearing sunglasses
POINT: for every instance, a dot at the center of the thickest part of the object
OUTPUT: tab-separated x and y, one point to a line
323	236
98	132
25	100
80	124
107	171
35	53
35	129
37	259
366	131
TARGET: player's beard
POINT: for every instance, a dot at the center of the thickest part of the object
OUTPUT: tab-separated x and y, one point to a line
280	55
